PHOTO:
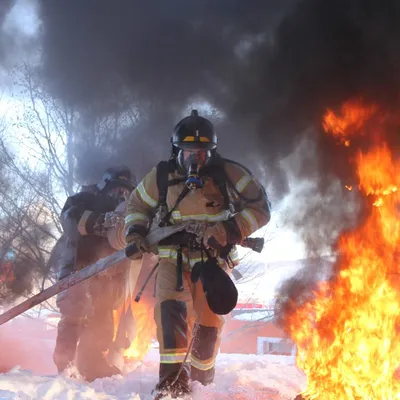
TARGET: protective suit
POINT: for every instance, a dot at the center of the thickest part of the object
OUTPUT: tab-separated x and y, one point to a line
86	328
193	276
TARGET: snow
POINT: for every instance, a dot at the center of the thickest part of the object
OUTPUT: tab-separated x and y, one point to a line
239	377
29	373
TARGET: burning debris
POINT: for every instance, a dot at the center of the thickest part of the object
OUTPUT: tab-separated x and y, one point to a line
347	334
7	274
16	276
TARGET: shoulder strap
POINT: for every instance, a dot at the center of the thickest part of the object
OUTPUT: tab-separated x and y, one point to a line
162	181
218	174
162	175
164	168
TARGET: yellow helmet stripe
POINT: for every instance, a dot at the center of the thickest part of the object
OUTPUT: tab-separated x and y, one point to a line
202	139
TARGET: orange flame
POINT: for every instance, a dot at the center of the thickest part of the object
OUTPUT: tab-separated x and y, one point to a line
145	330
351	122
7	275
347	336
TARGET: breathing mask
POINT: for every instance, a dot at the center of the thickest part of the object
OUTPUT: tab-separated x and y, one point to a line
194	181
191	161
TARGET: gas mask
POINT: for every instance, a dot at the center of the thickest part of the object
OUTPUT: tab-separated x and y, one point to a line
191	161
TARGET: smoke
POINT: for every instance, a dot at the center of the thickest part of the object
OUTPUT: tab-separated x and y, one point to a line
18	28
150	61
7	41
323	55
160	51
271	70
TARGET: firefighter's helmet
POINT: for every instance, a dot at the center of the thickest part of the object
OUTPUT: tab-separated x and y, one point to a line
193	132
116	177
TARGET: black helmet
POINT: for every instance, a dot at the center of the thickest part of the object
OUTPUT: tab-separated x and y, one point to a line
193	132
118	176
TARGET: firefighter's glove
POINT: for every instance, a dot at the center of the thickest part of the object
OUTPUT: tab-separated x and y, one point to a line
136	246
92	223
216	236
223	234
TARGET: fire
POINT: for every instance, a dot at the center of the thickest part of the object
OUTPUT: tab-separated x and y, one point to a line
347	336
144	330
351	122
7	273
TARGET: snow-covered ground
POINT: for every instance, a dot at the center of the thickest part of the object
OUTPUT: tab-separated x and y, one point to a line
29	374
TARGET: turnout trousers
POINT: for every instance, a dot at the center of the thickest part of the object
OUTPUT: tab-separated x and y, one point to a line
86	327
175	314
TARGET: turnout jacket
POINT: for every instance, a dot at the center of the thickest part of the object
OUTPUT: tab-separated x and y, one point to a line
249	210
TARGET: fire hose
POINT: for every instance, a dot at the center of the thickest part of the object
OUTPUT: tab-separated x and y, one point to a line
154	236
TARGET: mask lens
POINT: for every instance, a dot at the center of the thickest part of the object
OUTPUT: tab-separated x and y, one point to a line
194	156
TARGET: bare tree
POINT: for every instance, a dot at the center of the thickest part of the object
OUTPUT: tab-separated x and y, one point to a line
26	230
40	175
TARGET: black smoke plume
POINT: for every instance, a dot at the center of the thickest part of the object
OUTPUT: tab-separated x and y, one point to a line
271	70
158	56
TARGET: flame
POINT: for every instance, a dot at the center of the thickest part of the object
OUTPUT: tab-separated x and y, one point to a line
351	121
347	335
7	273
145	329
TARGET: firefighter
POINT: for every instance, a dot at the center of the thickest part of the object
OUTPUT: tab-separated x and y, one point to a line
86	328
193	283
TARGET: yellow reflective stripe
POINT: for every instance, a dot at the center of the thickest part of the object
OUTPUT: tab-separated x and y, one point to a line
116	238
120	241
166	252
145	196
250	219
172	254
136	217
82	222
172	358
192	139
176	215
234	254
202	365
222	216
243	182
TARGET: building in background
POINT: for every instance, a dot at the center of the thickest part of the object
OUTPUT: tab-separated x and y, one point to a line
251	329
